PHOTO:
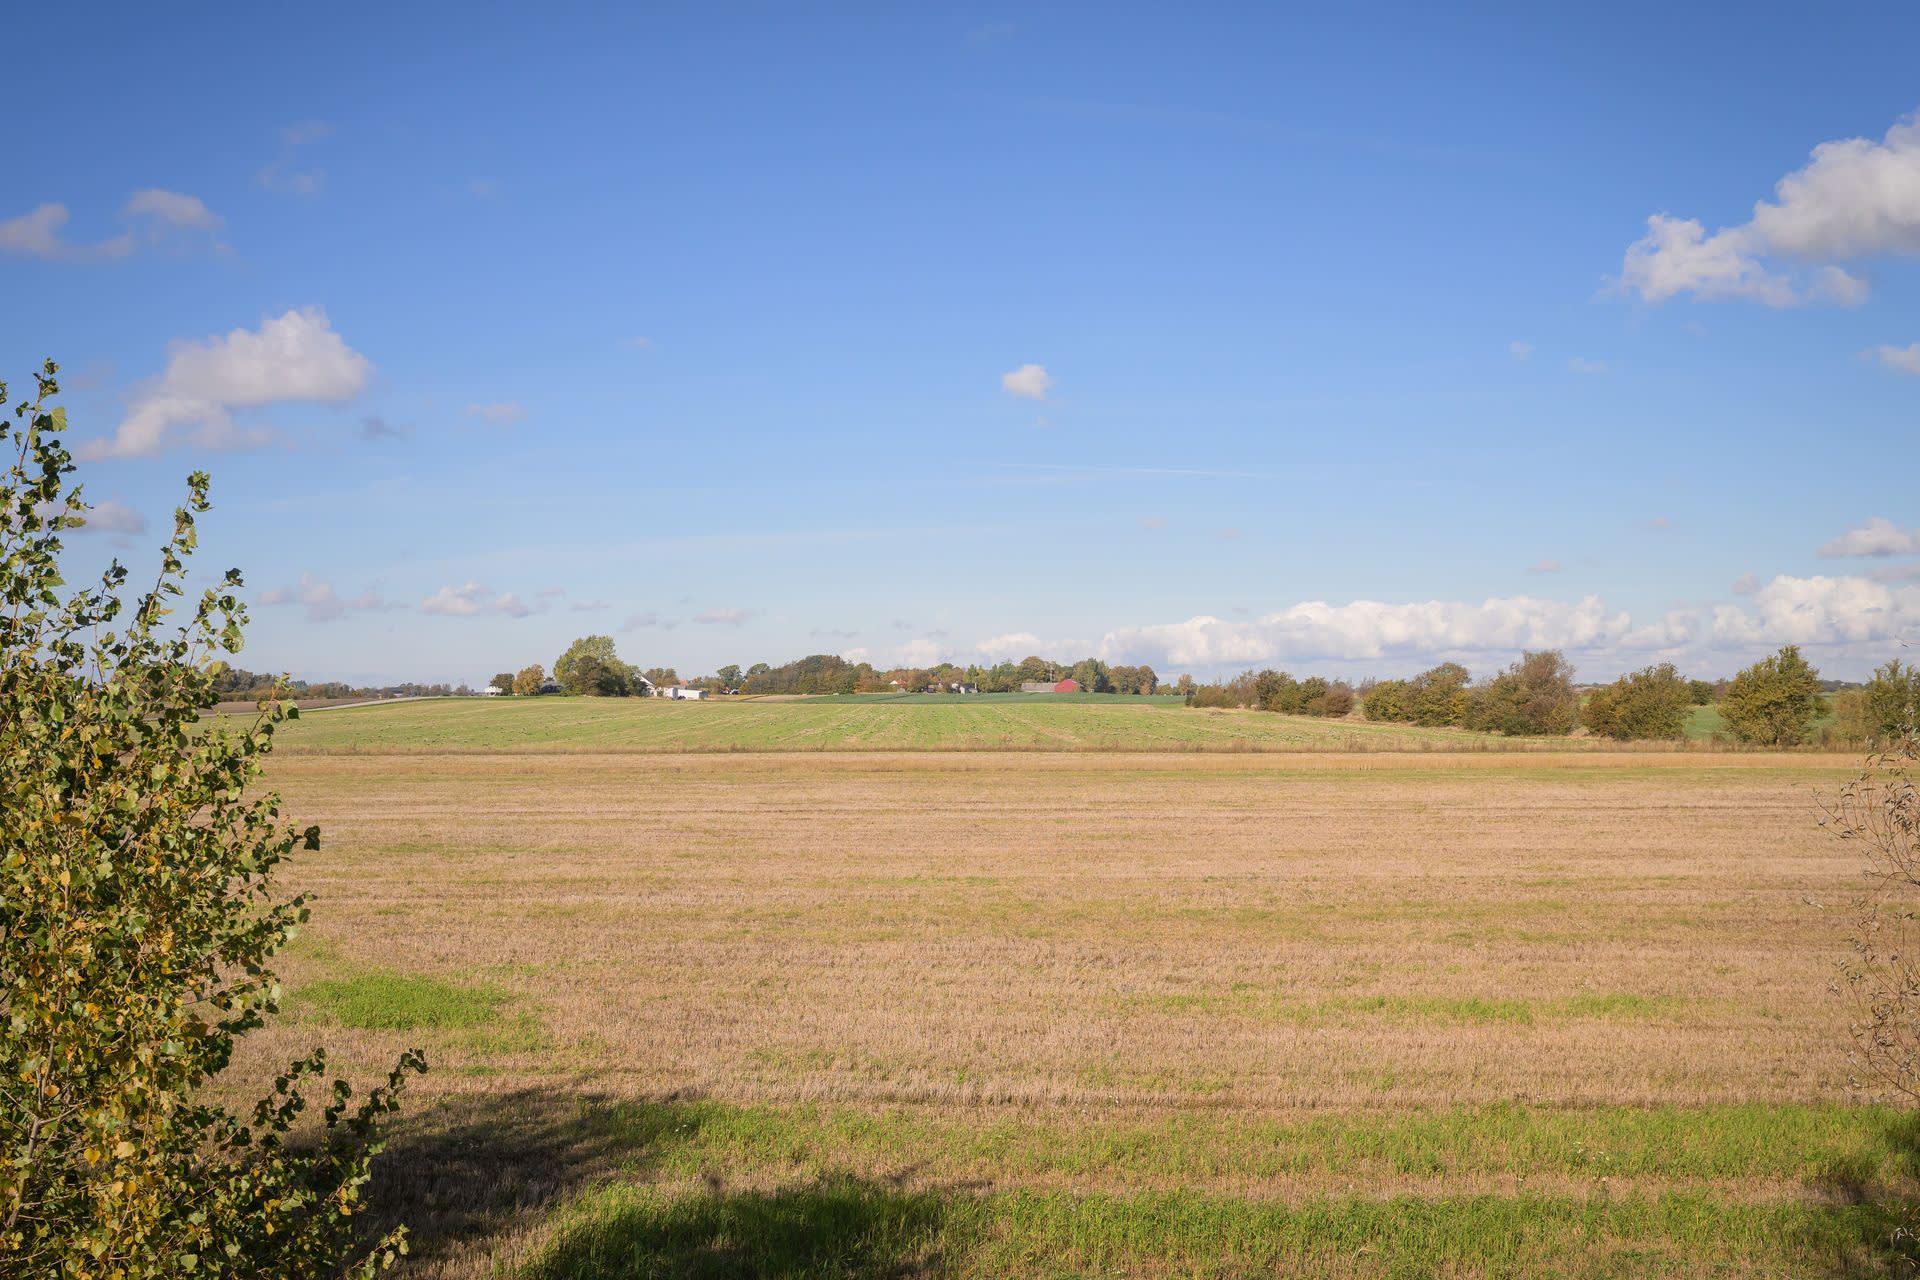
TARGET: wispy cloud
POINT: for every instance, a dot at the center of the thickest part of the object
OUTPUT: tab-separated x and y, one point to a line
1520	350
115	516
155	217
325	604
726	617
1879	536
375	427
1900	359
647	618
499	412
1544	566
474	600
1580	364
285	173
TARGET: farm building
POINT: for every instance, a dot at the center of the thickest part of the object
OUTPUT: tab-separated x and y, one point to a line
1068	685
493	691
680	693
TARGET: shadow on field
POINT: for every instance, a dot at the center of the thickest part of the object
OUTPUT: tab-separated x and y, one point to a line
1867	1228
474	1176
847	1229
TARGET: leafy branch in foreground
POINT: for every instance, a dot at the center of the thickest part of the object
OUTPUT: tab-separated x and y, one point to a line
137	926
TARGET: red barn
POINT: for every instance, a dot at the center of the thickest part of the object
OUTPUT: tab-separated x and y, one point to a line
1069	685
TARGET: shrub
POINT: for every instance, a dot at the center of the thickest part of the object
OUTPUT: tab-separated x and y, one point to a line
1646	704
137	926
1534	696
1390	700
1774	702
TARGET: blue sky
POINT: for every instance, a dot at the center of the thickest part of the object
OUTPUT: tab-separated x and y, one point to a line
1352	344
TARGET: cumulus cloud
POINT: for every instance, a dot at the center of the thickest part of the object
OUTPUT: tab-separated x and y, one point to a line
1855	198
1014	644
473	600
1901	359
725	617
498	412
1746	584
1821	610
1029	380
325	604
293	357
1877	537
1368	629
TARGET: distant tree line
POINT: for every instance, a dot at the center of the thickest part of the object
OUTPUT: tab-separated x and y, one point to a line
1276	691
237	684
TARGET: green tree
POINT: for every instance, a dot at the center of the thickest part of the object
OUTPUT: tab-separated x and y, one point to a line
591	668
503	682
138	926
1892	701
530	679
1701	692
1648	704
1388	700
1533	697
1091	673
728	676
1440	695
661	677
1774	702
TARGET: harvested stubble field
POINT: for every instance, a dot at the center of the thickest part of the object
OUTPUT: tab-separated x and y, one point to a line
1088	723
871	1014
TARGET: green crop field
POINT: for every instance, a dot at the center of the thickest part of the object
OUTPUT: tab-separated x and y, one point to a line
1041	722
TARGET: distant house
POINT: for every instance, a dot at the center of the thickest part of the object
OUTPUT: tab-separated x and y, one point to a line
680	693
643	687
493	691
1048	686
961	686
1069	685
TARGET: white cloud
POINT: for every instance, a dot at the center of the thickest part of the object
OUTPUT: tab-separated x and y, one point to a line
1821	610
1015	644
1520	350
161	213
1029	380
1580	364
498	412
1855	198
1746	584
725	617
1902	359
115	516
174	209
323	603
647	618
473	600
37	235
1367	629
1877	537
1544	566
293	357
